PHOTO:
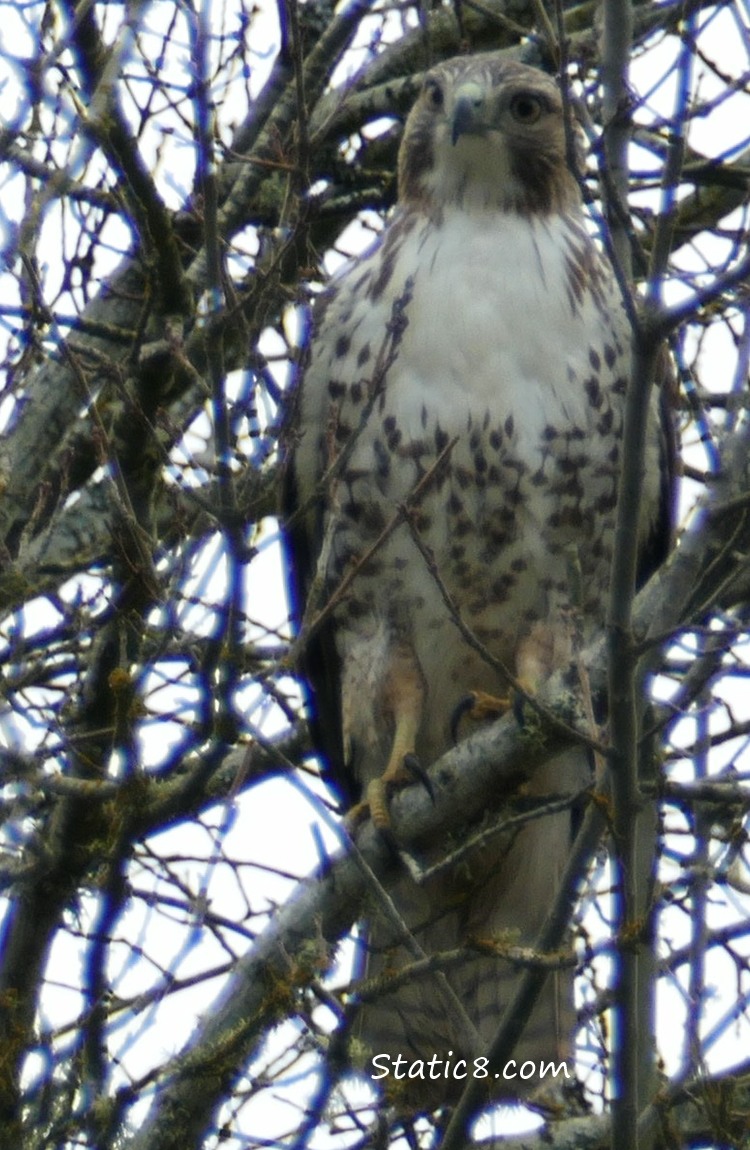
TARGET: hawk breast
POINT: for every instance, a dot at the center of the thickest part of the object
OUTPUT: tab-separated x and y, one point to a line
515	344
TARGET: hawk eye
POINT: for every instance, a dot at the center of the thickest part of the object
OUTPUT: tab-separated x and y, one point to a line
434	93
526	108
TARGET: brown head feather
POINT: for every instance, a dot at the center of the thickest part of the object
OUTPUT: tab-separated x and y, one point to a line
487	133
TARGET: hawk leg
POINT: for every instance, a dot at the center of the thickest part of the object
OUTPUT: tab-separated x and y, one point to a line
545	648
403	698
397	772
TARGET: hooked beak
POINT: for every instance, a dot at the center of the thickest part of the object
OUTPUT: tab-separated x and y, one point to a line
467	111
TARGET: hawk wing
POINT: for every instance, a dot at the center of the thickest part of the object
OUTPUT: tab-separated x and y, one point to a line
303	524
657	543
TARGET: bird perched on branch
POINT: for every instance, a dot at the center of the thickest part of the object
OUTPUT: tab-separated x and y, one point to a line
455	448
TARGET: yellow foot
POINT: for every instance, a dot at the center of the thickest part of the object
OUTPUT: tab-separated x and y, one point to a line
356	815
377	800
477	706
375	803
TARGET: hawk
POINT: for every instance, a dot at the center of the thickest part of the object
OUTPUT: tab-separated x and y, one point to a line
458	429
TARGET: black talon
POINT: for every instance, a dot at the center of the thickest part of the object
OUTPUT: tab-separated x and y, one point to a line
518	715
463	707
415	768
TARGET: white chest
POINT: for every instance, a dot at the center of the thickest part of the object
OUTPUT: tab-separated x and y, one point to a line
491	313
493	325
513	343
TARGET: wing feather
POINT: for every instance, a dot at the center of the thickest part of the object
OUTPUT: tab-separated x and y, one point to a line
319	665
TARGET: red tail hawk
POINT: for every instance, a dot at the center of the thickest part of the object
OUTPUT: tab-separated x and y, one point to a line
484	314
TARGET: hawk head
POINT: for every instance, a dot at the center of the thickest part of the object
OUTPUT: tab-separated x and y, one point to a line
487	133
